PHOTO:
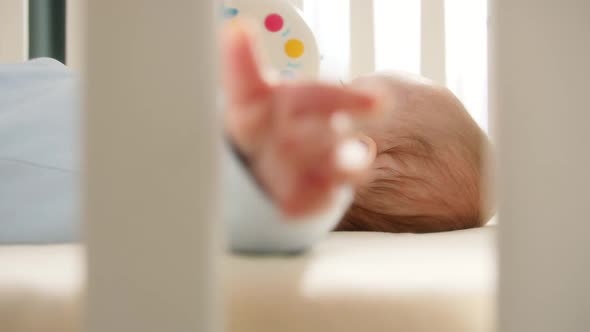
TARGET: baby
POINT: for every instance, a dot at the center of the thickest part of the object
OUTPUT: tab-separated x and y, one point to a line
423	166
416	161
428	171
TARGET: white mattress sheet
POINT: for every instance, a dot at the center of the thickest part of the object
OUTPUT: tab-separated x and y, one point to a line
350	282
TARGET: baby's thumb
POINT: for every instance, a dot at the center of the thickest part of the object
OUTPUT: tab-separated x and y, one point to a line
242	80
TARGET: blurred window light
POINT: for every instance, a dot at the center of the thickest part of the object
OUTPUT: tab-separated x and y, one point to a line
467	57
397	43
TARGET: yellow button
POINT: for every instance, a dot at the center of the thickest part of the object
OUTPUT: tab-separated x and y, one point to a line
294	48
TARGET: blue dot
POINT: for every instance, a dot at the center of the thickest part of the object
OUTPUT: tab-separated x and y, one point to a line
230	12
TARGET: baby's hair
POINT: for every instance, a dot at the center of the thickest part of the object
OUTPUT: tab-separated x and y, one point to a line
359	219
416	203
428	177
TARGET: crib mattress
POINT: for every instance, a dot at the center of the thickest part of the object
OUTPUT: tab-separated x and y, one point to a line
350	282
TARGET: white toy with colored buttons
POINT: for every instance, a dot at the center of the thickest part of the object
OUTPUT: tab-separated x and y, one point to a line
288	45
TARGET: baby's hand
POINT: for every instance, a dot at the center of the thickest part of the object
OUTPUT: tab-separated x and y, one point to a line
285	130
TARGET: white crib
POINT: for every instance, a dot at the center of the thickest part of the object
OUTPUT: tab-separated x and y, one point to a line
538	91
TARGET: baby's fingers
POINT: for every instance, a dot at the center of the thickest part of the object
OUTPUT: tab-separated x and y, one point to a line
353	158
247	113
323	98
312	190
315	177
242	80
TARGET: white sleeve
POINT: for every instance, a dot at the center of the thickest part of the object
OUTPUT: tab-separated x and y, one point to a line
255	225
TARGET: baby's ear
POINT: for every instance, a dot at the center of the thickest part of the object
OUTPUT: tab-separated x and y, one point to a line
242	79
371	147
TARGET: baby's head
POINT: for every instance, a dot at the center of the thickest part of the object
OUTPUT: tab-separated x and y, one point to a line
427	175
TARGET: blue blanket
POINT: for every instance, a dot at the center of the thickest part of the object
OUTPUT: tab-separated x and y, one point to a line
38	170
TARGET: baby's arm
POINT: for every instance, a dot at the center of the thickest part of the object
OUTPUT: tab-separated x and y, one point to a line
287	143
255	224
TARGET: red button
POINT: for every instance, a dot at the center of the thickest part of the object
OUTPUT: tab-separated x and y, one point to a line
274	22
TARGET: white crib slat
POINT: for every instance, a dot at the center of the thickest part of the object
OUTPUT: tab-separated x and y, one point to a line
14	32
540	69
362	37
432	58
397	35
74	33
150	166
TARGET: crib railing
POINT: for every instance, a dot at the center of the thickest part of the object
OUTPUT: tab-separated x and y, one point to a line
361	32
362	38
14	39
432	37
14	35
539	94
142	135
150	174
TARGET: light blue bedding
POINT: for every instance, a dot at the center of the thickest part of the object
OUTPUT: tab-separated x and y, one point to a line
38	172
